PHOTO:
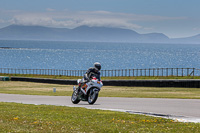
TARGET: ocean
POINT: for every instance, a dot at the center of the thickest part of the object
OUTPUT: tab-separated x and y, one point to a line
81	55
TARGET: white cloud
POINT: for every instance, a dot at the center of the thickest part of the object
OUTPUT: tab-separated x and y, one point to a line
71	19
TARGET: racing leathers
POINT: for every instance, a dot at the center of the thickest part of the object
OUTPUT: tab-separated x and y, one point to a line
92	71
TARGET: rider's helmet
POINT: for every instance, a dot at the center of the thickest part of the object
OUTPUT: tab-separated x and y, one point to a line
97	66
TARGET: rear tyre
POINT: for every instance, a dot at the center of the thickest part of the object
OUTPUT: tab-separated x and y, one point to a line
74	97
92	97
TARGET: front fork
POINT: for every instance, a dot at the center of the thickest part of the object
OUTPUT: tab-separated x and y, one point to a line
74	88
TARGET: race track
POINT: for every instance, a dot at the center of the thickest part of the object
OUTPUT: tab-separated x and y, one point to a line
186	110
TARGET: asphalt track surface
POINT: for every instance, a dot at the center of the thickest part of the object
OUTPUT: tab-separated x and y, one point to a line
184	110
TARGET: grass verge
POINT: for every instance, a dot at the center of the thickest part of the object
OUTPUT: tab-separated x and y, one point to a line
30	88
42	118
103	78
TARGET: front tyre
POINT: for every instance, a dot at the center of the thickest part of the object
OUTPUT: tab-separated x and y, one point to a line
74	97
92	97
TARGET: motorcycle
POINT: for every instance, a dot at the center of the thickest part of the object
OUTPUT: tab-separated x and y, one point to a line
89	91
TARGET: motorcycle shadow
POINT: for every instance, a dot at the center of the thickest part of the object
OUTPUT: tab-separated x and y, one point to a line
89	104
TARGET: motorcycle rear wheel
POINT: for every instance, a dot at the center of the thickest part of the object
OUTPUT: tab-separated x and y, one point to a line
74	97
92	97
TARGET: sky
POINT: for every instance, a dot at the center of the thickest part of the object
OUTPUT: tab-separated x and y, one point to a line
174	18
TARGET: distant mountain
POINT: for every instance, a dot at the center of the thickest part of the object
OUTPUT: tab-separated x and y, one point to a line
85	33
154	37
193	39
20	32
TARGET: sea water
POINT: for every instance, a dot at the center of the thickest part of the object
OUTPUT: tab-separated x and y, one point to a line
81	55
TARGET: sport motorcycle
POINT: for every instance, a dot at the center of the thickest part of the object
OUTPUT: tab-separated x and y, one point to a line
88	91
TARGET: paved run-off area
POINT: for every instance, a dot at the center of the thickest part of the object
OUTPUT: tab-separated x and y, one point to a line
185	110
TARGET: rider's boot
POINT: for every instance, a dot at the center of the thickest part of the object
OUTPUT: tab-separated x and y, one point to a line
79	87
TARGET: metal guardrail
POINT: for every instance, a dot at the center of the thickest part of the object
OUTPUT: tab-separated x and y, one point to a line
42	72
152	72
108	73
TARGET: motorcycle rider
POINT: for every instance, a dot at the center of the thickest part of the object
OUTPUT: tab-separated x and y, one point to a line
90	72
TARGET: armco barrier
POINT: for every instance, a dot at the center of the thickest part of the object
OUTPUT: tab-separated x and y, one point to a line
154	83
190	83
50	81
3	78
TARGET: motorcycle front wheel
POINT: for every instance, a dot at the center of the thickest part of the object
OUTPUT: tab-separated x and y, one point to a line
74	97
92	97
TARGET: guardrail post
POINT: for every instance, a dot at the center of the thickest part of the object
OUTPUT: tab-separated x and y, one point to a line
141	72
172	72
149	72
158	72
177	72
182	72
167	72
153	72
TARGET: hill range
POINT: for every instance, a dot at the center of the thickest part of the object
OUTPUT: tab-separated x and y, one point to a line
88	34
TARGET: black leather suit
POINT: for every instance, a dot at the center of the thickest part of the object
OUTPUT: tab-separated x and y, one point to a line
92	71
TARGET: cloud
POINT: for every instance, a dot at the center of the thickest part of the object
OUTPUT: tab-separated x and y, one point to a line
50	9
71	19
196	28
2	21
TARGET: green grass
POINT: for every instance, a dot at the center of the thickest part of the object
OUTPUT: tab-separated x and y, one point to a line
42	118
30	88
151	92
103	78
31	118
40	76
